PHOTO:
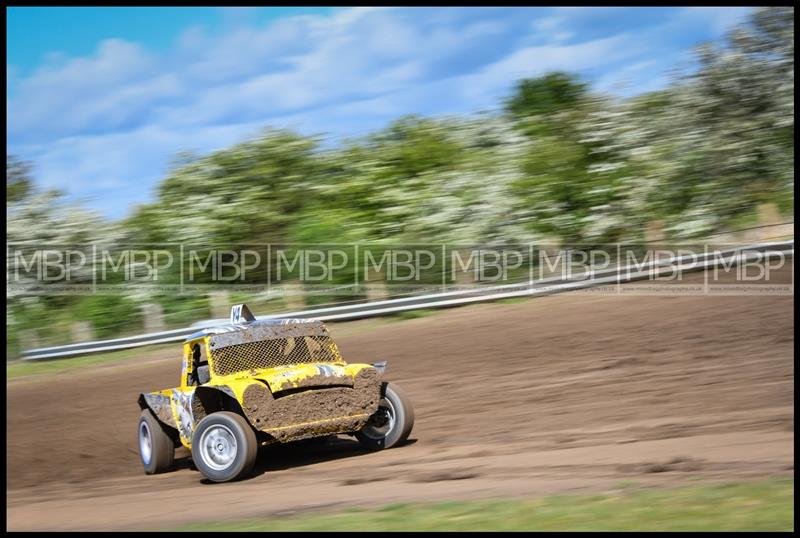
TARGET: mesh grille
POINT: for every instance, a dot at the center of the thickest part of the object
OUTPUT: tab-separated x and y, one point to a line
272	353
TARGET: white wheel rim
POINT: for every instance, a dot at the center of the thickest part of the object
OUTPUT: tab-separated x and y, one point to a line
218	447
145	442
380	432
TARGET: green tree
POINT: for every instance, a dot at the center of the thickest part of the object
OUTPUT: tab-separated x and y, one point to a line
727	135
542	96
572	185
18	182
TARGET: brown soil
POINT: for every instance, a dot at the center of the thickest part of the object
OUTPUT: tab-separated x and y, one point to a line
567	393
272	415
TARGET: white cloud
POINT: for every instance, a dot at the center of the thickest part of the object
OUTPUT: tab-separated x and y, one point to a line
112	171
547	24
108	123
113	86
534	61
718	21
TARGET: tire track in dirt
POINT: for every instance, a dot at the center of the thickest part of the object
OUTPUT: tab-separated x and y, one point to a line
563	393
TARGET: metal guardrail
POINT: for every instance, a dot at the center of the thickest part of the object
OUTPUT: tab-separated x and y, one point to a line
440	300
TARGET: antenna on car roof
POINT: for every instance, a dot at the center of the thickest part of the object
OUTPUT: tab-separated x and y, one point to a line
240	313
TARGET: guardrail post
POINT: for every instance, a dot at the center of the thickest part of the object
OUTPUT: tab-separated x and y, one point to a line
294	299
153	317
81	331
772	227
220	303
376	287
654	231
29	338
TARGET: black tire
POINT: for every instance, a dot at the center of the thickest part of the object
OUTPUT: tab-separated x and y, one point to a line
381	433
224	447
156	447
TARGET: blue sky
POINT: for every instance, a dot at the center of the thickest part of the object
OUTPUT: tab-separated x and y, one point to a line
101	99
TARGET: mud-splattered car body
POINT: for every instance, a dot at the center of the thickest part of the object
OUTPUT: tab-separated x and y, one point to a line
286	377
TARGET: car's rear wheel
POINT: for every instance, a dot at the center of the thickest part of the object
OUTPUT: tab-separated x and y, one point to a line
392	422
156	448
224	447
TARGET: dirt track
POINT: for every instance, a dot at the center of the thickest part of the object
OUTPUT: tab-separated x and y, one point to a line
563	393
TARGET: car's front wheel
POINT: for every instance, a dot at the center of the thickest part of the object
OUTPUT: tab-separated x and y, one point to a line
156	448
391	424
224	447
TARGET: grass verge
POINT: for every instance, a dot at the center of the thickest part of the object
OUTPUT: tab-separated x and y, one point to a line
413	314
745	506
20	368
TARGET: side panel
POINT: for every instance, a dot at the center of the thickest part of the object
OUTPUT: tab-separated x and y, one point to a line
183	416
159	403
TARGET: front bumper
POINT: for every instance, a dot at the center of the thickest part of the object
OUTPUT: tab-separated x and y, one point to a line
314	411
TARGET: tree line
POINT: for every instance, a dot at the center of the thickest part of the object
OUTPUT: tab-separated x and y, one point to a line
557	162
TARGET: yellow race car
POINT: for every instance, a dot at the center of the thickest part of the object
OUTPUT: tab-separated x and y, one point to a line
254	382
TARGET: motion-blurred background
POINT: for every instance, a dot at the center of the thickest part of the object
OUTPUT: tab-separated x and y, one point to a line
507	129
479	126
